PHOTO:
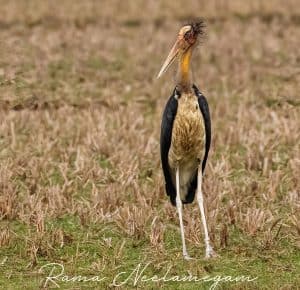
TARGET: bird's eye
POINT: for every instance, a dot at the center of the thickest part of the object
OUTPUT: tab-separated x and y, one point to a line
188	35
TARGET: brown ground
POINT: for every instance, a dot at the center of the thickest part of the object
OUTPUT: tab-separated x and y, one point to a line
79	132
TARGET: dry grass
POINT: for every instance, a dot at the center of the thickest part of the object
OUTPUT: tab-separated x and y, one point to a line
80	116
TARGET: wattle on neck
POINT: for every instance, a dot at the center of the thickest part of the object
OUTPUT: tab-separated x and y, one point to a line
184	79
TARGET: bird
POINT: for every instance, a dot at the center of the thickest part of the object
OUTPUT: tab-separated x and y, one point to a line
185	137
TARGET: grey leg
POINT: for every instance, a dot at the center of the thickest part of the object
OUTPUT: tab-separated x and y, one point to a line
209	250
179	210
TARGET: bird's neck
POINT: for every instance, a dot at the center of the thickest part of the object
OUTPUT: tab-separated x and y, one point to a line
184	77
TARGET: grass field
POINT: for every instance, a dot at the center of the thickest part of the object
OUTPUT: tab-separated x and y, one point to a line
80	177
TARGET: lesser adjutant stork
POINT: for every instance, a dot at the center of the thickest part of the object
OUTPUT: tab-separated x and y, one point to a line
185	132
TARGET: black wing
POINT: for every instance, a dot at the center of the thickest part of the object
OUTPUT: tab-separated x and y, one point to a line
165	142
207	124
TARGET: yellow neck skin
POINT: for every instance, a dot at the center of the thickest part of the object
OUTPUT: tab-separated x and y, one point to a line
184	78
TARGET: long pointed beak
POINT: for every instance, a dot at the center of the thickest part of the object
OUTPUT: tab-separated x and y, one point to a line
170	58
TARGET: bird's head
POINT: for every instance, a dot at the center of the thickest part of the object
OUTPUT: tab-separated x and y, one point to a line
186	40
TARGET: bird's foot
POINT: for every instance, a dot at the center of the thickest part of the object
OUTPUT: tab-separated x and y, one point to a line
210	253
187	257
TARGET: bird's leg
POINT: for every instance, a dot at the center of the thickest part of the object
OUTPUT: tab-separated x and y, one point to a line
179	209
209	250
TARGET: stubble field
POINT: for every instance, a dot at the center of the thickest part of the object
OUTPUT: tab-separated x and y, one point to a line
80	110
